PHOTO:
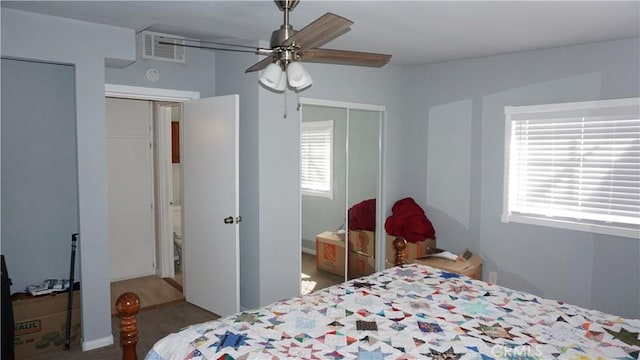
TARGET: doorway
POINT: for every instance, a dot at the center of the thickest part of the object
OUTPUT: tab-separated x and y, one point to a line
132	149
130	188
209	190
167	260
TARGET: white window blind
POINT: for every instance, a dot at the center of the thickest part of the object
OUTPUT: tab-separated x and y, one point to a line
316	157
574	165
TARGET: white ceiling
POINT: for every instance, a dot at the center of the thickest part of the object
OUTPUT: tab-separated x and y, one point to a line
414	32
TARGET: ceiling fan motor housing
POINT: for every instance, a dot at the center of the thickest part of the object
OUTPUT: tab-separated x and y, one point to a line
280	35
286	4
286	30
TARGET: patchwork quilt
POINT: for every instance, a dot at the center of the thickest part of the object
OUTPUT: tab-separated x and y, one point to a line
409	312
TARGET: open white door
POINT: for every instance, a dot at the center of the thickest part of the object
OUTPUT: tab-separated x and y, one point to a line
209	155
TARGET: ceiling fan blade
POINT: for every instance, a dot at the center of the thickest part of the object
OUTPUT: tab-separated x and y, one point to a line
261	64
345	57
324	29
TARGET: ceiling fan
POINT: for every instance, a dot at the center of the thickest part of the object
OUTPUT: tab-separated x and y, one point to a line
289	47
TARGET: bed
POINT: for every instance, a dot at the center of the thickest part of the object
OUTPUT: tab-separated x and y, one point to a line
410	311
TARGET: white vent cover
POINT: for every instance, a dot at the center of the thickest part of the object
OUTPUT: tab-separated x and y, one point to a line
153	49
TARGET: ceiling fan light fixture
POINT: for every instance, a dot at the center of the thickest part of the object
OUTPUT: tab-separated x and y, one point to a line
272	75
298	77
282	84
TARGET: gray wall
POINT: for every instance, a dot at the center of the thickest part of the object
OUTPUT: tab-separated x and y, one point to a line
279	196
57	40
197	74
454	140
39	171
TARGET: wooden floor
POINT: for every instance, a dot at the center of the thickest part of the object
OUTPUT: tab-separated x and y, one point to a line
155	292
179	278
152	291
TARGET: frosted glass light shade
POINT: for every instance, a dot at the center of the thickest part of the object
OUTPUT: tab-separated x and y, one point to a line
298	77
271	75
282	84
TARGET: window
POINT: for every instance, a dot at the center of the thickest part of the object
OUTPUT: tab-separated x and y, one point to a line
574	166
316	158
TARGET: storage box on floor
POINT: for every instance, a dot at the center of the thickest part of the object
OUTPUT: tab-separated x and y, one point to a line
362	242
413	250
362	250
467	263
330	253
40	323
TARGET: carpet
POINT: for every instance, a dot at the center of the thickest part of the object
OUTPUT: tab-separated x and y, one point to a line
152	326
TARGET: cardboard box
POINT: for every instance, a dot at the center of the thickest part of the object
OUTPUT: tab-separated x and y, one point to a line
40	323
413	250
360	265
363	242
468	264
330	253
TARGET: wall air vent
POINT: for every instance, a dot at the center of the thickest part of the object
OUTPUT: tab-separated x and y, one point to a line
153	49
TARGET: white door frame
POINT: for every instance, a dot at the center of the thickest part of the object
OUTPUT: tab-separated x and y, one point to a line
165	267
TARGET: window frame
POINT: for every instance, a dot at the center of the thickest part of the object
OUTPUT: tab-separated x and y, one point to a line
328	125
600	227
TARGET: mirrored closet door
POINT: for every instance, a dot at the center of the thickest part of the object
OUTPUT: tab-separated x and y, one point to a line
340	162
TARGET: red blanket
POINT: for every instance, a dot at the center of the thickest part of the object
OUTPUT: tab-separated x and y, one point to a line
409	221
362	216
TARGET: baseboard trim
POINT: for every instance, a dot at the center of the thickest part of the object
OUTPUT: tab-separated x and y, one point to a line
174	283
309	251
97	343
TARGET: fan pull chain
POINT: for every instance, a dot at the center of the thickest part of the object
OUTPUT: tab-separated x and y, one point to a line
284	116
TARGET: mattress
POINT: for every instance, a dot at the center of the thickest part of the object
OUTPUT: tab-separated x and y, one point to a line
409	312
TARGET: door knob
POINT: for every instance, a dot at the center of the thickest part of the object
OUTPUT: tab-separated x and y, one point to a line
228	220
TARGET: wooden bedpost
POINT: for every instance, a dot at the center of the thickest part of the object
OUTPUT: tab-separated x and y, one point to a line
399	245
127	306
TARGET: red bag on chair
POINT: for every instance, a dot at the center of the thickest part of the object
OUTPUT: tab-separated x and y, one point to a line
409	221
